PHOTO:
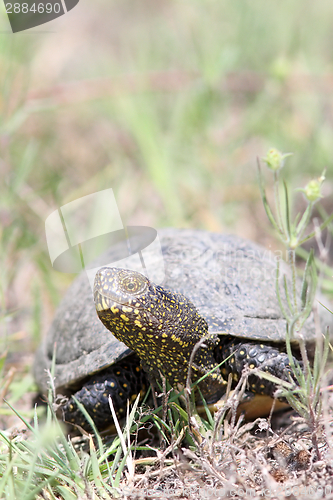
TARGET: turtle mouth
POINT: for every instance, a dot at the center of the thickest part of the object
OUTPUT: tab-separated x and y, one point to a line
106	301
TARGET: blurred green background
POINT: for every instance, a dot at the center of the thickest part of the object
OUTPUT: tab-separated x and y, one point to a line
169	103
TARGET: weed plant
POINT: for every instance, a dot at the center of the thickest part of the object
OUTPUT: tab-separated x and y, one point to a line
307	398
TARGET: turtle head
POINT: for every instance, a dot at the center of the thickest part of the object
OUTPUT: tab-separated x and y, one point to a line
161	326
120	287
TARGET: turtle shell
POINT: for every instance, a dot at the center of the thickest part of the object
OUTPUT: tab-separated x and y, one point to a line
230	280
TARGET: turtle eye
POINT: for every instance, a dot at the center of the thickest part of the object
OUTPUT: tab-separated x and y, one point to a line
134	283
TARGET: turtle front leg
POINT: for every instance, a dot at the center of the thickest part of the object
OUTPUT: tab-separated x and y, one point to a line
122	382
266	357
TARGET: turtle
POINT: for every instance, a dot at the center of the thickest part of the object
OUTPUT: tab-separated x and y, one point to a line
218	296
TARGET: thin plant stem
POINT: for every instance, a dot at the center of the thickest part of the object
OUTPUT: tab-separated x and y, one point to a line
278	203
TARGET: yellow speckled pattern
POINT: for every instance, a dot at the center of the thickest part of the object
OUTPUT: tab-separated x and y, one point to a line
161	326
